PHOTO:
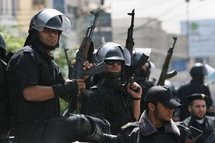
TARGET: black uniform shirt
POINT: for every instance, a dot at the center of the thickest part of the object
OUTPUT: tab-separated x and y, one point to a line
29	67
109	101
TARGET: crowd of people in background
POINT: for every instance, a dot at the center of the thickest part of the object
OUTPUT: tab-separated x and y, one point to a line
114	109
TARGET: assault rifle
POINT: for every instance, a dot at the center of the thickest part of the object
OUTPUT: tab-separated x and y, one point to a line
84	51
164	75
129	45
130	41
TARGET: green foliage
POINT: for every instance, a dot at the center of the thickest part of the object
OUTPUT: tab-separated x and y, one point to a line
13	40
60	59
63	105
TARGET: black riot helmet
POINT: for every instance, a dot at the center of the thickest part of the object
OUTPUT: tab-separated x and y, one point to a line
139	53
198	70
50	18
111	51
114	54
140	57
141	62
170	86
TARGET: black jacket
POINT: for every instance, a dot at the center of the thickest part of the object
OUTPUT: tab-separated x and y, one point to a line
29	67
145	132
108	100
188	89
207	127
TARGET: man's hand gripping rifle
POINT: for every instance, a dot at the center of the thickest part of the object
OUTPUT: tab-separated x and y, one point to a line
84	53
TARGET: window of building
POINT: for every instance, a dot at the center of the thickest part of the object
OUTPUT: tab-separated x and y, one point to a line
8	7
1	7
38	2
14	7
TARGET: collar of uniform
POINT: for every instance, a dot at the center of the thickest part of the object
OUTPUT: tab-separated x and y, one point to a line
193	119
110	82
147	128
42	51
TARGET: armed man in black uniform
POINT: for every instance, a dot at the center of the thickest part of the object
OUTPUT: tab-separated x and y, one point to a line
110	99
4	97
196	85
155	124
36	84
198	119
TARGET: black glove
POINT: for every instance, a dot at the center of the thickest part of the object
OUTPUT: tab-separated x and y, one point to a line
99	137
67	90
98	127
89	129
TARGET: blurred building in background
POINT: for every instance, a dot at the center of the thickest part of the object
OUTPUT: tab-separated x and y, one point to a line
147	31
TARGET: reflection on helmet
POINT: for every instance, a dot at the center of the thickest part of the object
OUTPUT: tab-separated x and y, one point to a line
198	70
169	85
114	54
113	51
2	42
51	18
140	56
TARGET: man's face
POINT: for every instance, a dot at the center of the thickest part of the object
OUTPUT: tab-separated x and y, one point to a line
114	66
49	37
163	113
198	108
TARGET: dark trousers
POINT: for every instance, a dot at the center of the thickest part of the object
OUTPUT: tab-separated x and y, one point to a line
56	130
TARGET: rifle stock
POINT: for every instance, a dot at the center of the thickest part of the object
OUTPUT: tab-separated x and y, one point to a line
164	73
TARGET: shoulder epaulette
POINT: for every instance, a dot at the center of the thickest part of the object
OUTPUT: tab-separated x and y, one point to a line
94	86
27	49
178	123
129	125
